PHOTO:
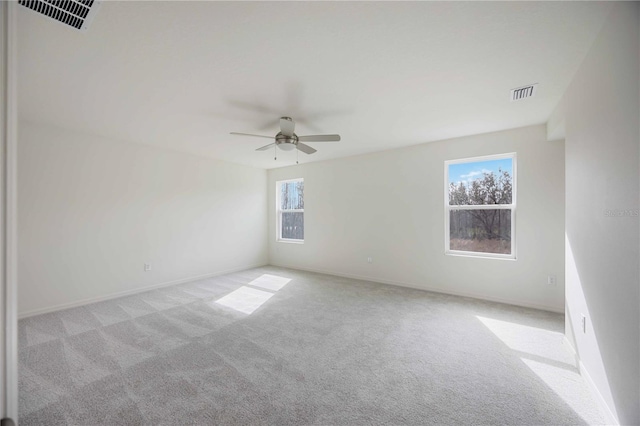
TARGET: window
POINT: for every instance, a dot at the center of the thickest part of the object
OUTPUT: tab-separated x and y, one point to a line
290	210
480	206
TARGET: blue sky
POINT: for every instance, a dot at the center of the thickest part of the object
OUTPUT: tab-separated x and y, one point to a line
468	172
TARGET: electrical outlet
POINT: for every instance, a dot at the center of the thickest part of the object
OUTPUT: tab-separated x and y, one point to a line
147	267
551	280
584	324
369	259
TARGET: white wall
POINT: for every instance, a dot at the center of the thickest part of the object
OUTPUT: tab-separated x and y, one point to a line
602	253
92	211
8	213
389	205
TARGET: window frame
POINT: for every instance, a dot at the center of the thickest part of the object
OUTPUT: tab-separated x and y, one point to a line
279	212
448	208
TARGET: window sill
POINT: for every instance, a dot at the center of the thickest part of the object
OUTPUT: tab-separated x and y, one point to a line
290	241
479	255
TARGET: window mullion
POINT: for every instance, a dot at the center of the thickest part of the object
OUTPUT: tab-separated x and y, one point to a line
481	207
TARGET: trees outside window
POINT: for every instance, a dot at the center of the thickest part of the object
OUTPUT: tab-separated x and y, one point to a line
480	206
290	210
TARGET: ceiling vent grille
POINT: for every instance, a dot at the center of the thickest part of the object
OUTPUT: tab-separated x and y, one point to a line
77	14
523	92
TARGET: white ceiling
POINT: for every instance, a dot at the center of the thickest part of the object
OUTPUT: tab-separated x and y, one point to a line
182	75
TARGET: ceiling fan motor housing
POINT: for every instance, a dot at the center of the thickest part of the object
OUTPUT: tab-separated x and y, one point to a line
286	143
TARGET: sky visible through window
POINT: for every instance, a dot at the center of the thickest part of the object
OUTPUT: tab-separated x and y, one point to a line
468	172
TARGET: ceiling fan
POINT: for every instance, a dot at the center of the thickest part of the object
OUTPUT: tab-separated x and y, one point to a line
287	140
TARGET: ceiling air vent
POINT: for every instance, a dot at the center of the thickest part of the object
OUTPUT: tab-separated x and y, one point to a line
523	92
74	13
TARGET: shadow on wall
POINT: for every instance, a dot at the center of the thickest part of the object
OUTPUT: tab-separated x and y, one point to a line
588	336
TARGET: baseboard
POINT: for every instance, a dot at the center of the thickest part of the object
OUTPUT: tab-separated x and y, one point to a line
132	291
570	348
431	289
606	412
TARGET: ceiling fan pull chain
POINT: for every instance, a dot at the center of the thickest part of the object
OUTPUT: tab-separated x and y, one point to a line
296	155
275	152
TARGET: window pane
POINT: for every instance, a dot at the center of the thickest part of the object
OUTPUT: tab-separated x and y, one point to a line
484	231
292	195
481	182
293	225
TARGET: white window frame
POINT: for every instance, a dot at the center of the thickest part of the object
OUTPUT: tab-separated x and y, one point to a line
279	212
448	208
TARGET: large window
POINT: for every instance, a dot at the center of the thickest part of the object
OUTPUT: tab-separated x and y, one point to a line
290	210
480	206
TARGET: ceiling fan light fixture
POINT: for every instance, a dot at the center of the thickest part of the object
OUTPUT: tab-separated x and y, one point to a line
285	146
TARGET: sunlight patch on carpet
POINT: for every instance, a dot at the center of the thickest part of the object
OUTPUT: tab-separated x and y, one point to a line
245	299
541	350
566	383
248	299
270	282
531	340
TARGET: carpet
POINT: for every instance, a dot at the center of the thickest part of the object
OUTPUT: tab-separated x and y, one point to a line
275	346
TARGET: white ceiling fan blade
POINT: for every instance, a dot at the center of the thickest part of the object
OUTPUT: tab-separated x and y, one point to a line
287	126
249	134
305	148
266	147
319	138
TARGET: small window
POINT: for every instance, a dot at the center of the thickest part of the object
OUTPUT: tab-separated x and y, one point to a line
480	206
290	210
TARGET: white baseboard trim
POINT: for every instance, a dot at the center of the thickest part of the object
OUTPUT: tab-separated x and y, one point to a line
132	291
425	288
606	412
